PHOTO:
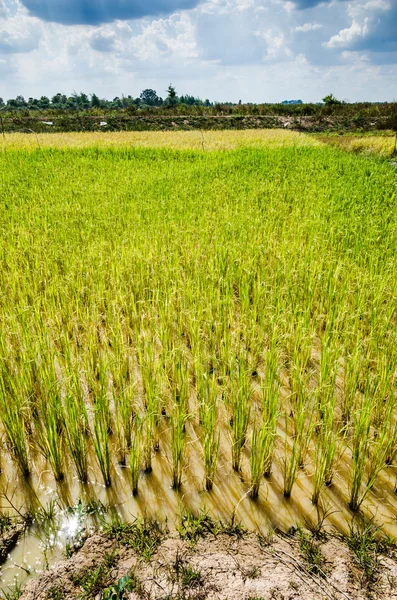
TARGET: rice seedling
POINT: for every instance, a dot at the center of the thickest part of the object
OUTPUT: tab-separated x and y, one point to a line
101	424
178	440
151	378
12	416
270	391
135	454
257	458
211	434
298	429
77	428
241	410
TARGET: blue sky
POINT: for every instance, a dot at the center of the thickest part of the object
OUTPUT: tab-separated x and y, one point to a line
253	50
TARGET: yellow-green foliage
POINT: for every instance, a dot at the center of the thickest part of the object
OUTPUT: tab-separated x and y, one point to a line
381	145
188	140
174	292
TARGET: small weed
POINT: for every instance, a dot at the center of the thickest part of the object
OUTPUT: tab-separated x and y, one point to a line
311	552
189	576
91	582
265	540
14	592
120	589
253	573
233	528
5	522
143	536
193	527
55	593
363	543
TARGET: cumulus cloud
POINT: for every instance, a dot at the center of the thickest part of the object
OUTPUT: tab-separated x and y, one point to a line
308	27
373	28
221	49
19	34
94	12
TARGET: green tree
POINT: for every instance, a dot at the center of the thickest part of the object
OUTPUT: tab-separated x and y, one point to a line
330	100
150	98
95	101
172	97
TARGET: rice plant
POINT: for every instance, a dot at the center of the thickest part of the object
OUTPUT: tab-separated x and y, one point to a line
135	454
211	434
77	428
241	409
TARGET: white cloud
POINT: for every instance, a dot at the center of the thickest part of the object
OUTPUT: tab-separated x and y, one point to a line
309	27
348	35
222	49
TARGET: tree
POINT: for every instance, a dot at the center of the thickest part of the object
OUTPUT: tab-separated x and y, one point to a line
44	102
330	100
172	98
95	101
150	98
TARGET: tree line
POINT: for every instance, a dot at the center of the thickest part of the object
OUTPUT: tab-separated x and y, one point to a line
82	101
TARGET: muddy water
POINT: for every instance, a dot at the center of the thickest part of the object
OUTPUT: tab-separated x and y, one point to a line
46	543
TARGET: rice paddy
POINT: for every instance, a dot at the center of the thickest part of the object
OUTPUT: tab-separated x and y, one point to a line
178	140
191	329
381	144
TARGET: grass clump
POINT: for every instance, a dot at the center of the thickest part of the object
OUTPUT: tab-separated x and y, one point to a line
192	527
144	536
311	553
367	542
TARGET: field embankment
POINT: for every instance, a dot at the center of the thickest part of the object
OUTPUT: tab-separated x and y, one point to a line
220	565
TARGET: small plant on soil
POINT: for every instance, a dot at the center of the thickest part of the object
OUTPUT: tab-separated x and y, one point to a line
186	575
192	527
311	552
55	593
143	536
5	522
120	590
366	546
14	592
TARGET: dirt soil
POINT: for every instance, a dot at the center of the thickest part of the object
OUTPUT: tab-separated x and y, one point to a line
217	567
9	539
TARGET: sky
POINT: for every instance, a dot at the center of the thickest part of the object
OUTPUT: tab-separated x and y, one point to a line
248	50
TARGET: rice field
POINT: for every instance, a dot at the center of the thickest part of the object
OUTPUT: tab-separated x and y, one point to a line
178	140
381	144
190	329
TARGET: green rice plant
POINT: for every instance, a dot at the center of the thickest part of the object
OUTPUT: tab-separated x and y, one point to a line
77	428
360	446
12	409
49	425
327	432
241	410
135	454
178	440
270	391
353	368
151	384
124	411
101	422
211	435
301	431
257	458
